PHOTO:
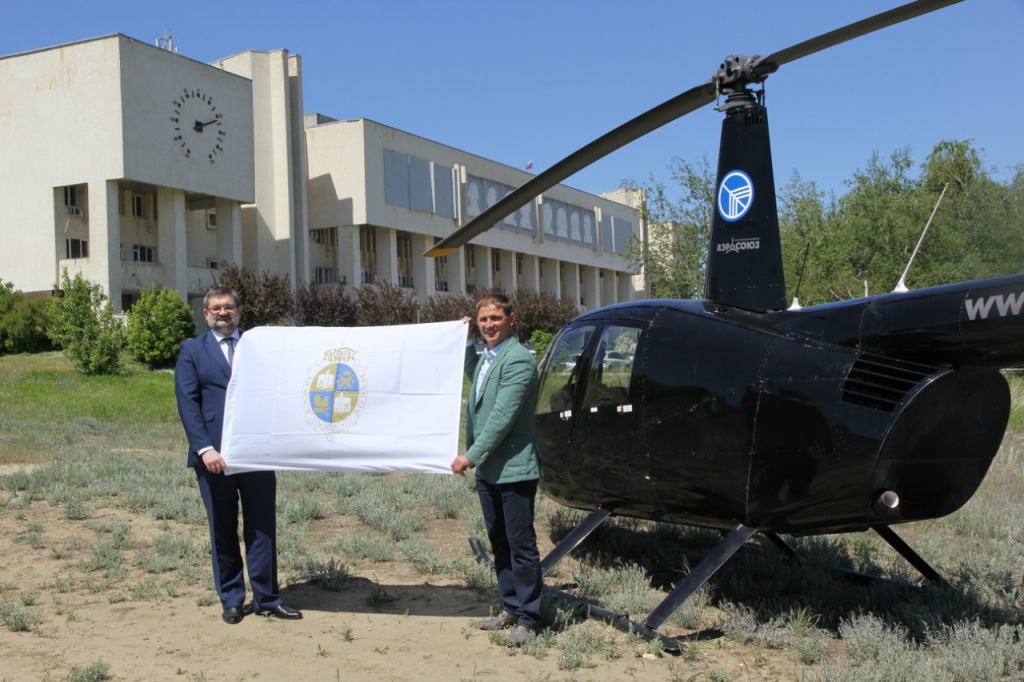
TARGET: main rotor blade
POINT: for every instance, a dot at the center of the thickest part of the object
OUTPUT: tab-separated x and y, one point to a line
856	30
664	113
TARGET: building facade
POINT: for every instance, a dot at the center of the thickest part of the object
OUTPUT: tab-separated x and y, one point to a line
134	165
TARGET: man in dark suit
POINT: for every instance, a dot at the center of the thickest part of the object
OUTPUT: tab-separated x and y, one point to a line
500	444
200	385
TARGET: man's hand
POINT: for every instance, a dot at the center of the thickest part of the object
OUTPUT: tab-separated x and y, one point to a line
460	465
469	329
213	462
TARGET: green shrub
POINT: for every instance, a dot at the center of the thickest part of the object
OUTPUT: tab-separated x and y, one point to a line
541	311
85	326
540	340
23	329
319	305
8	296
385	304
267	299
157	324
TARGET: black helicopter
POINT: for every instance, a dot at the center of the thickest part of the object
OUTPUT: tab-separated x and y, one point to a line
737	414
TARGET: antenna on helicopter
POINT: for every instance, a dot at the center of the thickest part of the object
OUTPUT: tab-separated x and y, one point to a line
795	305
901	286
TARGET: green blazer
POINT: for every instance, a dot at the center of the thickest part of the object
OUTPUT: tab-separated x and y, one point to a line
500	439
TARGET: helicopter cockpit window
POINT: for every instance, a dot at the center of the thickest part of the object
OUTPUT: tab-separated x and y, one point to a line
612	368
561	376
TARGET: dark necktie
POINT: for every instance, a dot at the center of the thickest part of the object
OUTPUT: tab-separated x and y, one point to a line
229	341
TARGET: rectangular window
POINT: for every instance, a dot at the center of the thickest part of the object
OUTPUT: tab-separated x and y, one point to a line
143	254
211	220
76	248
323	275
71	195
404	247
213	263
137	206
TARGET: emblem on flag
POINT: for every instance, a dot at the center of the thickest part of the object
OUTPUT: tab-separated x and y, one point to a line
333	391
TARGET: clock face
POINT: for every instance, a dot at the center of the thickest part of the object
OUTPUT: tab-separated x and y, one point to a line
198	126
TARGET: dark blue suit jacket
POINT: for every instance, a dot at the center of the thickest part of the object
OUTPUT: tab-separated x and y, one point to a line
200	385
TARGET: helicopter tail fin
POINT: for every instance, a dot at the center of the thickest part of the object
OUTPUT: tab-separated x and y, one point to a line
745	251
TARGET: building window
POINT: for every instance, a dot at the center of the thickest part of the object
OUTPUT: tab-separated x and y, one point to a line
137	207
213	263
143	254
71	196
323	275
326	236
76	248
440	272
211	220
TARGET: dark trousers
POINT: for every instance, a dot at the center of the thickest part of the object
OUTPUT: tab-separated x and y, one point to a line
258	493
508	512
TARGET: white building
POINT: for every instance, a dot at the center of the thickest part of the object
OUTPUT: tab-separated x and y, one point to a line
135	165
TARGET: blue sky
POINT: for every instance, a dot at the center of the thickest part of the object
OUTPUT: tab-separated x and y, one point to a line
534	80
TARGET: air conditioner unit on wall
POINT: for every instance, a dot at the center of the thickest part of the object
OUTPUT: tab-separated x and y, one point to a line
74	210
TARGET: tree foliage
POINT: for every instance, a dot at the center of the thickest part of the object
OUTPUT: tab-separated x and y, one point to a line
674	259
24	328
157	324
84	325
267	299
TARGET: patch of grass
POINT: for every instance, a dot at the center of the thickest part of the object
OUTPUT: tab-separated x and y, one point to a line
94	672
368	546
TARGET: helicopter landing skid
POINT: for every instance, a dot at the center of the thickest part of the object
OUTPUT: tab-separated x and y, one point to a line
700	574
894	541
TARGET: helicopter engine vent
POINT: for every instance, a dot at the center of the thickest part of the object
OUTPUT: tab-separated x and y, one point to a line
881	383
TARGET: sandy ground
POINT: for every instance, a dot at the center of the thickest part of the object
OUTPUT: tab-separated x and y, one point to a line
423	633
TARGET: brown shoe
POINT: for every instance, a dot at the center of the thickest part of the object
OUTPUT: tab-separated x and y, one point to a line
521	635
502	620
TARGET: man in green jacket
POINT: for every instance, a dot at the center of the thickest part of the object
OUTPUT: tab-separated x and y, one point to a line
500	444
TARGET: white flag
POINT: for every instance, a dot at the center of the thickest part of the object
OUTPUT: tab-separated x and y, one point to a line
380	399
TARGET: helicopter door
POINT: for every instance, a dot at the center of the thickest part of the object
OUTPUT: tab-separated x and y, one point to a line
557	400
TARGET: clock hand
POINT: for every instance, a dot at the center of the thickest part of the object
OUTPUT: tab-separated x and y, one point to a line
200	125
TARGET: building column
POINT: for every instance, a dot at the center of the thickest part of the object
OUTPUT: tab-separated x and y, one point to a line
609	292
172	240
347	257
507	275
591	293
423	267
387	254
626	288
105	239
457	271
550	280
569	276
482	278
531	273
229	231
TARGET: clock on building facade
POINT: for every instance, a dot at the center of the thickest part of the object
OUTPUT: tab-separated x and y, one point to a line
199	127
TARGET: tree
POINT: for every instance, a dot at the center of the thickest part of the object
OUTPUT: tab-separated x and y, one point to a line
84	325
674	259
157	324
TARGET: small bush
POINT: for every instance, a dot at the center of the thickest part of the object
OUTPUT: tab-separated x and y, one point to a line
385	304
157	324
324	305
447	307
267	299
24	328
541	311
84	325
540	340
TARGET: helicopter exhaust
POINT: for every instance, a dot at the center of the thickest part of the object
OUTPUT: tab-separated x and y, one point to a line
887	503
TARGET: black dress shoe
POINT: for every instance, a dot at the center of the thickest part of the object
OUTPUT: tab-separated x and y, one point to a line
281	611
233	615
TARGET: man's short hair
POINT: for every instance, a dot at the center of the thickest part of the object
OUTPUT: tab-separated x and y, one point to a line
497	300
220	291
